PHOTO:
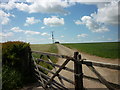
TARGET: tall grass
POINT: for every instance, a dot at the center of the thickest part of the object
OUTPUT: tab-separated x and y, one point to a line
107	50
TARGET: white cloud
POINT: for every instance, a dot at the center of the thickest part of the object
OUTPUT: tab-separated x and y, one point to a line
45	34
8	6
77	22
53	6
49	6
37	6
42	27
82	35
4	17
93	25
108	14
23	7
32	32
6	34
29	32
45	6
17	29
30	21
53	21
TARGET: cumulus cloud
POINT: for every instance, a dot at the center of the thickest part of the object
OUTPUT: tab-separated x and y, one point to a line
77	22
30	21
17	29
82	35
53	21
4	17
9	5
45	6
92	24
37	6
108	14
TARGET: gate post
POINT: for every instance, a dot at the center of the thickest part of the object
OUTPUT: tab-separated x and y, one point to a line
78	75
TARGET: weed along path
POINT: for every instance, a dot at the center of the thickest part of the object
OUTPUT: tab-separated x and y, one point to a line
109	74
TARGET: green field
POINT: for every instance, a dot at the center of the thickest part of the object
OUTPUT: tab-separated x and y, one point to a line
107	50
45	48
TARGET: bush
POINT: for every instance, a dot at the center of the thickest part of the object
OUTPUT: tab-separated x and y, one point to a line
15	54
11	78
16	62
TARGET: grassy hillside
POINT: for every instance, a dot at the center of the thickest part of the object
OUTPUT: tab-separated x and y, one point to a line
107	50
45	48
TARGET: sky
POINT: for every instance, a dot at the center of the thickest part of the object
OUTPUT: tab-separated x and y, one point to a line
72	21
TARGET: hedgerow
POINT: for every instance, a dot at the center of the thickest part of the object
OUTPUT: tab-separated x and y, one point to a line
16	64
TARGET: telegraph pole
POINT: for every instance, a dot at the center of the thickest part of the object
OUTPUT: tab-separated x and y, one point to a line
52	37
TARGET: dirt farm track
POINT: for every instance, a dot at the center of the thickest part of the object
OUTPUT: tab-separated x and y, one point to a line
109	74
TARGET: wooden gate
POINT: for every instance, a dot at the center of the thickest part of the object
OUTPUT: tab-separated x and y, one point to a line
48	82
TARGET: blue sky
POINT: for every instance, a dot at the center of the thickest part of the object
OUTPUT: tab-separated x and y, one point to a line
72	22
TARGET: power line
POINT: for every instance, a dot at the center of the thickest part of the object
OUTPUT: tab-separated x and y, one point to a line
53	36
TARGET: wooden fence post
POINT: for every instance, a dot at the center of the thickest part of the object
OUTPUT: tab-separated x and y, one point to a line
78	75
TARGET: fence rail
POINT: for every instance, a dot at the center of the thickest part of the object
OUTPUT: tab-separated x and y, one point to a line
49	82
101	64
53	54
